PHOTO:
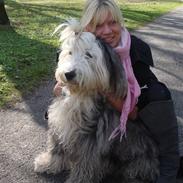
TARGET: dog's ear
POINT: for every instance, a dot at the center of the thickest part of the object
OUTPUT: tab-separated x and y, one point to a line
118	81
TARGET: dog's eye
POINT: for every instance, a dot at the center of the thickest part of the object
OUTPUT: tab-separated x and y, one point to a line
88	54
70	53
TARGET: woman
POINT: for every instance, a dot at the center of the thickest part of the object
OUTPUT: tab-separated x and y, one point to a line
147	99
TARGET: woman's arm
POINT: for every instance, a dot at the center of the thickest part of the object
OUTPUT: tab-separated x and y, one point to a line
117	103
143	74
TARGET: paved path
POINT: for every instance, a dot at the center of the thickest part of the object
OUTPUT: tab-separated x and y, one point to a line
165	36
23	130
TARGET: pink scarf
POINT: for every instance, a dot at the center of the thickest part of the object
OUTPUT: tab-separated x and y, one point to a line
133	91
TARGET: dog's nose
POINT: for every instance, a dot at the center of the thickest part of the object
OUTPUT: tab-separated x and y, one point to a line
70	75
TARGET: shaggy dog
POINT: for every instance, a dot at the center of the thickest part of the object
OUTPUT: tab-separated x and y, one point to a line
81	120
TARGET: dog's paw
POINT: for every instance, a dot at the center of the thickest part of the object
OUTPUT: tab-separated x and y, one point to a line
41	162
46	162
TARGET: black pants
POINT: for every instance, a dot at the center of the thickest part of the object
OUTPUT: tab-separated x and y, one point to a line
157	114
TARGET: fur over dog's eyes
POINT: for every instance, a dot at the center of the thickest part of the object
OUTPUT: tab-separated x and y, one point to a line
88	54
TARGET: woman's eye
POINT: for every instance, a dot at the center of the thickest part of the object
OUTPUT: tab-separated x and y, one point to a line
88	54
98	26
113	22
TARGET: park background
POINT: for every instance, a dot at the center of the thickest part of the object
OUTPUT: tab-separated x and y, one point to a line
27	65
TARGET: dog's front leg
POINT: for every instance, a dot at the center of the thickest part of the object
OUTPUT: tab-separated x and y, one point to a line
53	160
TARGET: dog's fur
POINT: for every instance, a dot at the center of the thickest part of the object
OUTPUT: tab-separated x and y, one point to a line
81	120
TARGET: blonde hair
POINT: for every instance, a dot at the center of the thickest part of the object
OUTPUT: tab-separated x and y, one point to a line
94	10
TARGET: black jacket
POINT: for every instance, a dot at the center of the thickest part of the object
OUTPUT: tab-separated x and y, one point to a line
141	59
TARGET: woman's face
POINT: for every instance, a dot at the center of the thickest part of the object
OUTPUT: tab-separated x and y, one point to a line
109	31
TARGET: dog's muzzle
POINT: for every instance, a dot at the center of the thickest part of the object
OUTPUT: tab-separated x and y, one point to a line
70	75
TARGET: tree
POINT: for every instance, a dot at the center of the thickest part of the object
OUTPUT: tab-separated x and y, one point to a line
4	20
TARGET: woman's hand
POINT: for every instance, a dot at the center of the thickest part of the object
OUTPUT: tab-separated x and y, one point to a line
57	89
117	103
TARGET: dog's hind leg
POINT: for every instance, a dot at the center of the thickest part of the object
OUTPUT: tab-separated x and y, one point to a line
53	160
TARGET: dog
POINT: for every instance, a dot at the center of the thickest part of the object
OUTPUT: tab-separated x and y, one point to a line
81	120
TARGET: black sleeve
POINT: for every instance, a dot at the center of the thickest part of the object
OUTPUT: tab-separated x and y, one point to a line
140	51
141	58
143	74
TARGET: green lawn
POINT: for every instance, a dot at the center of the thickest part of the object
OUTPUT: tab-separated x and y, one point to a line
27	52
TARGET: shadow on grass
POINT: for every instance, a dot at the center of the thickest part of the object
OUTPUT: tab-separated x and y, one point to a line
25	63
49	13
139	15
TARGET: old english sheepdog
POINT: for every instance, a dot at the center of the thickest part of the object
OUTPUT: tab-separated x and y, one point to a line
81	120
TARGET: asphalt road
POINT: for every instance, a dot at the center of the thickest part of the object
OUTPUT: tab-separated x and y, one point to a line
23	130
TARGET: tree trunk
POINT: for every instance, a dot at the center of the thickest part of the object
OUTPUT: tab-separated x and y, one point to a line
4	20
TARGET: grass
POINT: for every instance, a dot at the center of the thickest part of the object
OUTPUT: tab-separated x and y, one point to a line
27	50
140	12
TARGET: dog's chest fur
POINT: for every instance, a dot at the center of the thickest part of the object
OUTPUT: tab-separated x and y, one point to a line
75	117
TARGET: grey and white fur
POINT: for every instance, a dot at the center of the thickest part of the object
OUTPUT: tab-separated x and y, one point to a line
81	121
